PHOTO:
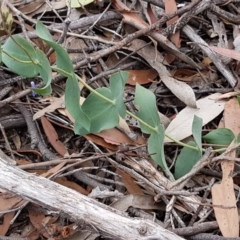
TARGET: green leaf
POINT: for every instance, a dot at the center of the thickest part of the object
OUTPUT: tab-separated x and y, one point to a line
45	72
72	96
220	136
102	114
150	123
117	84
186	160
197	131
156	149
20	56
63	61
145	101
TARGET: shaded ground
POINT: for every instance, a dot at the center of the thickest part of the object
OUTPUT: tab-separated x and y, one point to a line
182	58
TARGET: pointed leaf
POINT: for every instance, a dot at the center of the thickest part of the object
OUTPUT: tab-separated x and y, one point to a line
220	136
197	131
156	149
72	96
45	72
186	160
117	84
145	101
63	61
17	58
102	114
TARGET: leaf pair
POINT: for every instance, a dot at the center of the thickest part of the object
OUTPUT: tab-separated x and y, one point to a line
188	156
149	120
22	58
103	106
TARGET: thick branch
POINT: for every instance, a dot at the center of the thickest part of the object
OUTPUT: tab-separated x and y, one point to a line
79	207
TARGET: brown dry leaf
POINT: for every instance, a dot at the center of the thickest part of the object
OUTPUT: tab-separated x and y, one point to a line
171	7
223	194
231	116
228	95
141	76
226	52
8	202
101	142
207	108
114	136
129	183
38	220
180	89
31	7
65	182
4	227
52	137
185	74
136	201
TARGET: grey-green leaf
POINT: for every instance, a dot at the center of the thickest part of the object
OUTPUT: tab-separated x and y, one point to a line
117	84
72	96
197	131
20	56
220	136
45	72
63	61
145	102
186	160
102	114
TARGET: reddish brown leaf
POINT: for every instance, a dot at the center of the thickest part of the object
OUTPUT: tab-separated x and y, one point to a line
52	137
141	76
130	184
171	7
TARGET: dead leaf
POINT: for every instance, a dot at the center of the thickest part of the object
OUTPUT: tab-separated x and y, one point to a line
129	183
70	184
141	76
7	218
52	137
234	54
223	193
171	7
228	95
136	201
207	108
180	89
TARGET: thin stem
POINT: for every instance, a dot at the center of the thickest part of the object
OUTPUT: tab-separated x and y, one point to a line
182	144
113	102
142	122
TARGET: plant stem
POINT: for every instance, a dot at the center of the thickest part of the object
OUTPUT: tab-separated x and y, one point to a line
142	122
113	102
182	144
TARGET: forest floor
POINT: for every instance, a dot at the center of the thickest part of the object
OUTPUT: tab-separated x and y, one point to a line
158	84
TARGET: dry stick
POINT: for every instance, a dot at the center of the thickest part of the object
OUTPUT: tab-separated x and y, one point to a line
224	14
32	129
207	236
95	56
211	54
79	207
185	18
199	228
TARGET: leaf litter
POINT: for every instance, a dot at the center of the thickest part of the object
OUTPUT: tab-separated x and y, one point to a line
190	64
